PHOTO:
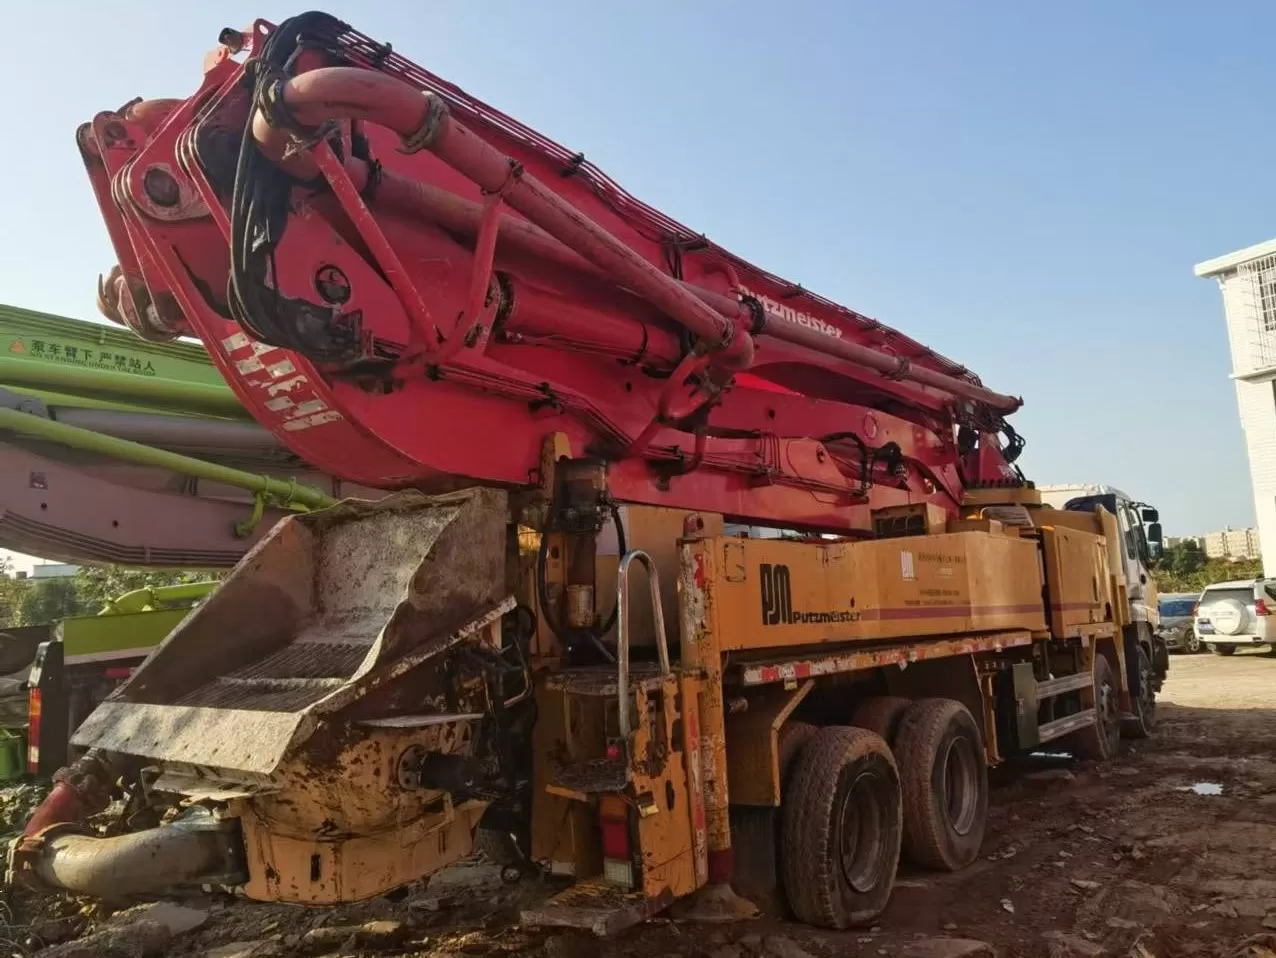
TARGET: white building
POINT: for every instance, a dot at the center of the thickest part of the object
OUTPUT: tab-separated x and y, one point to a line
53	570
1247	279
1234	544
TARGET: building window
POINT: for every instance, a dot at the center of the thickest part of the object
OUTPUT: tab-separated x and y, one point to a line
1266	276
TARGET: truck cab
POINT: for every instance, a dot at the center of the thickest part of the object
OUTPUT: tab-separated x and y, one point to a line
1140	543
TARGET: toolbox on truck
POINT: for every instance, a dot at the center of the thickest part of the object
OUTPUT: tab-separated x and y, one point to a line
909	586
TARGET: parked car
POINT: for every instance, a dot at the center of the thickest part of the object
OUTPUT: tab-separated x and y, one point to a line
1178	627
1230	615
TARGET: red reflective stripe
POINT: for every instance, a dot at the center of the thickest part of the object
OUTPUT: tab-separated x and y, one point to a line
34	710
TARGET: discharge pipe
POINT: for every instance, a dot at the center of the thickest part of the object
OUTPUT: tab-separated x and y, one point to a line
288	493
192	850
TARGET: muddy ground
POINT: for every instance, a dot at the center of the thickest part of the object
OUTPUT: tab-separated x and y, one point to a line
1082	860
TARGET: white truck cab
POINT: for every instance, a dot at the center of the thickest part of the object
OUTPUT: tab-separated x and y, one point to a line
1140	543
1140	536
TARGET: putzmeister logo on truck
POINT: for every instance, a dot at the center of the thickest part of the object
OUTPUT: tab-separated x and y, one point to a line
795	316
777	601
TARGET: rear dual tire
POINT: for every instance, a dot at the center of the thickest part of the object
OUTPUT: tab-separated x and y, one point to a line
944	779
853	804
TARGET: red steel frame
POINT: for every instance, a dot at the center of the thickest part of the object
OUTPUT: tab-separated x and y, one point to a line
504	290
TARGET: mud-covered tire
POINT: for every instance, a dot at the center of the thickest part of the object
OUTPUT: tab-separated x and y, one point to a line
1142	722
1218	649
881	715
499	848
841	823
944	780
1102	740
792	739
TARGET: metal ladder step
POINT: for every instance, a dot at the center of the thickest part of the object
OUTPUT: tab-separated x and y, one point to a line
590	776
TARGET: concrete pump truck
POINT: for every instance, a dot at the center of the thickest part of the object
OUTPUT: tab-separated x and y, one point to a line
560	384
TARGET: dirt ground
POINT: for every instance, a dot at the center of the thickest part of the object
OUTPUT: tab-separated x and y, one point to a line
1083	860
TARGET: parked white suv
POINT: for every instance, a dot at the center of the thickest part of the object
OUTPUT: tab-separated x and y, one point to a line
1230	615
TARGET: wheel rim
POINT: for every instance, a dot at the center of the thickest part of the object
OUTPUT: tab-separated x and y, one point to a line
961	785
1147	697
1193	643
1109	720
861	830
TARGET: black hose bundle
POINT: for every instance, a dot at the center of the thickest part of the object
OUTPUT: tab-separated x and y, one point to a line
260	204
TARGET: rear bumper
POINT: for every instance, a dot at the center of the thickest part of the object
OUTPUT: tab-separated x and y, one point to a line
1210	638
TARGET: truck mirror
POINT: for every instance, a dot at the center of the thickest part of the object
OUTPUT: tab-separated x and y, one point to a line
1154	531
1151	515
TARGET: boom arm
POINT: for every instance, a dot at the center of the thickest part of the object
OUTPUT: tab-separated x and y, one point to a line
411	289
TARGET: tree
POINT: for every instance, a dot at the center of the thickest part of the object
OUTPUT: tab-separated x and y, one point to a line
43	601
1183	567
48	600
10	594
1182	559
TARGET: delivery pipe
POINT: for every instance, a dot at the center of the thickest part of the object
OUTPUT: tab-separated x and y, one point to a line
891	367
139	600
158	429
203	398
461	216
290	493
425	122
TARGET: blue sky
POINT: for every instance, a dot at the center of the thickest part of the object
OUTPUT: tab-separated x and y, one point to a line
1024	186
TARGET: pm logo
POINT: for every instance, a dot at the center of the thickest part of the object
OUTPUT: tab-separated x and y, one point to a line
777	595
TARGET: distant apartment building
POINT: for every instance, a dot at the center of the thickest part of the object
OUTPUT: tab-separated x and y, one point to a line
1233	544
53	570
1247	280
1172	541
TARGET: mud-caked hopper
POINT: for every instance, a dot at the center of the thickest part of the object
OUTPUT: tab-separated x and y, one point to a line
317	725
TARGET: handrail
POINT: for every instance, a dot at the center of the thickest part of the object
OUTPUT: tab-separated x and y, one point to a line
622	629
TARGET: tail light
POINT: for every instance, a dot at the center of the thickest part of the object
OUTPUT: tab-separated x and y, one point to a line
618	856
1260	607
33	731
1196	609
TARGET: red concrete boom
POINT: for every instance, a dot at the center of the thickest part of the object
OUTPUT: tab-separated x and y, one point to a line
411	289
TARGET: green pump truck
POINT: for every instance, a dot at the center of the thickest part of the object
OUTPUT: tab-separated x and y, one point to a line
86	657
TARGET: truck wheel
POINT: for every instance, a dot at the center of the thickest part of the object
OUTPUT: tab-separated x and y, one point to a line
1102	740
496	846
1143	722
944	780
1222	649
793	738
881	715
841	826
